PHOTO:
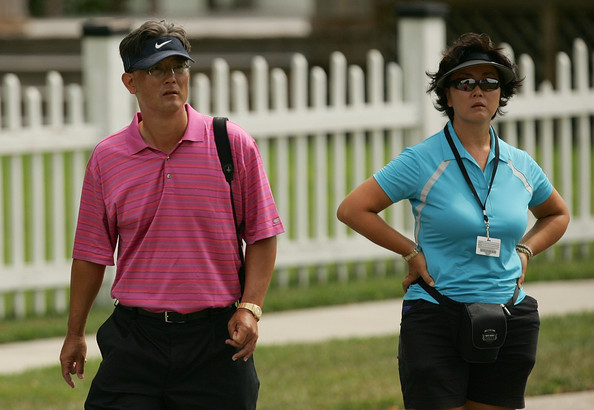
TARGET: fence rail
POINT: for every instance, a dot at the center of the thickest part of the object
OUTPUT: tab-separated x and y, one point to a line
320	134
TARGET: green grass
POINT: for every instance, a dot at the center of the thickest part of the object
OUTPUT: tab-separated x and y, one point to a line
565	360
317	294
338	374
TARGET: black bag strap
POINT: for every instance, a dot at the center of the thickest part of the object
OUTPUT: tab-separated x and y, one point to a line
434	292
223	147
446	300
226	159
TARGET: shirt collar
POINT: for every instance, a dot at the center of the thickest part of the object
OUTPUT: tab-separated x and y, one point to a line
504	154
195	130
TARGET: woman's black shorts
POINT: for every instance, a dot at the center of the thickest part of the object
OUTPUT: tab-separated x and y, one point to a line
434	375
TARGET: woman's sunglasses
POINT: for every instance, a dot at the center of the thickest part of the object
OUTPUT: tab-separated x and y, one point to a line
468	84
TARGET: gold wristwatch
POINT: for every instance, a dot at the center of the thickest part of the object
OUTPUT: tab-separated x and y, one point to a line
255	309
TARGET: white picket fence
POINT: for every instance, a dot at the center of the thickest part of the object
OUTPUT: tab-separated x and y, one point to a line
320	134
43	156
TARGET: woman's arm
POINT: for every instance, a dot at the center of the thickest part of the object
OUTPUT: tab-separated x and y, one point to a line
360	209
552	218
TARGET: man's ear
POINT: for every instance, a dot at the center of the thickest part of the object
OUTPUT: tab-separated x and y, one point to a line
128	80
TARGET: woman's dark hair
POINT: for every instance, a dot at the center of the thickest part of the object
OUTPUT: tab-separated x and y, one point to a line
131	45
466	44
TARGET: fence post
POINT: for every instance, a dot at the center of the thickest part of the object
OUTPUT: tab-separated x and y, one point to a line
421	40
109	104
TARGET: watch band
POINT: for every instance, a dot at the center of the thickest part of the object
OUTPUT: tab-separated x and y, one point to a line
252	307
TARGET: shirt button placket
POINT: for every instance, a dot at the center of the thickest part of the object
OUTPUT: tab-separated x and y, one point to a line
168	175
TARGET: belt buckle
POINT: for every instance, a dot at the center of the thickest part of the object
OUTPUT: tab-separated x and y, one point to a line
174	317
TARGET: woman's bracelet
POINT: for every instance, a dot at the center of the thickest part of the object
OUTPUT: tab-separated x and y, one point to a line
525	249
411	255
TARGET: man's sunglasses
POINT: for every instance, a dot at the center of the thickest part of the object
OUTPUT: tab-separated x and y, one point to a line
468	84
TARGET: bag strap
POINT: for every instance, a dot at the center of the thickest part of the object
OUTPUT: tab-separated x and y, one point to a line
223	147
445	300
434	292
227	166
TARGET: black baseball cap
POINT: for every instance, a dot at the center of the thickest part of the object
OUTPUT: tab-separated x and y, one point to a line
472	59
153	51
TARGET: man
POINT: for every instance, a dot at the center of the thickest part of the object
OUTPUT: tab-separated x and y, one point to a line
176	338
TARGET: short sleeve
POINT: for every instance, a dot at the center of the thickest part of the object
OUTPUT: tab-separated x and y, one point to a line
400	177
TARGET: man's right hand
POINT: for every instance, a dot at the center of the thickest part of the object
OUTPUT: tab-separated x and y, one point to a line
73	358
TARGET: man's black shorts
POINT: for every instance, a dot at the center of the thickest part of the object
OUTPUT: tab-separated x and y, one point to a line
433	374
149	364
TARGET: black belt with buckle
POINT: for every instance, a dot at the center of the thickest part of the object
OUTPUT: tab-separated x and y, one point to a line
176	317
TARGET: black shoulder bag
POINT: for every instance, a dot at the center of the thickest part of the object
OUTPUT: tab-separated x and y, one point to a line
226	159
482	328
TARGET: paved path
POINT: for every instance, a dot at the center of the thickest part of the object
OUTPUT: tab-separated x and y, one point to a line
356	320
383	318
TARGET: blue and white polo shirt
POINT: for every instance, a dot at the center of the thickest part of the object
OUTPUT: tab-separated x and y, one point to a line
448	218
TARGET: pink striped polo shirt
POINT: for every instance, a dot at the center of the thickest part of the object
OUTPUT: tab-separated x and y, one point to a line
171	216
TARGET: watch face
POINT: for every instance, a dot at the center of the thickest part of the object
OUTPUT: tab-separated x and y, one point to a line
255	309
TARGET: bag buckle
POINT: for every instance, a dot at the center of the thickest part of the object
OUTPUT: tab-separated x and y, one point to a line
489	335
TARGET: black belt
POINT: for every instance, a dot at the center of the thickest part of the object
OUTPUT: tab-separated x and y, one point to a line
176	317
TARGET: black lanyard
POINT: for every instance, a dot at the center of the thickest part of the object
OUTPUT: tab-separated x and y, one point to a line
467	178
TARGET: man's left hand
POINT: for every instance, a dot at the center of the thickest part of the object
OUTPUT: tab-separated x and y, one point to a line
243	333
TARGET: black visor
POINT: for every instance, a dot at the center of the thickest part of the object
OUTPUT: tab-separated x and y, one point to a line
155	50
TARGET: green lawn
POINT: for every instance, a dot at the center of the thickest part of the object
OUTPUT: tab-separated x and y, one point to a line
340	374
331	293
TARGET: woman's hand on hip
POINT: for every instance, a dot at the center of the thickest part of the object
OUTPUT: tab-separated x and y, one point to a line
417	267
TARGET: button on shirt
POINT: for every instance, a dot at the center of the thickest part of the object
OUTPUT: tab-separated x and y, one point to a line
172	216
448	218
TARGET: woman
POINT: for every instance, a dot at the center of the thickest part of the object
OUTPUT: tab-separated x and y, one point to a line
471	243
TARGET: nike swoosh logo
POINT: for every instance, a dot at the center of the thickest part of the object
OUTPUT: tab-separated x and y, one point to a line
157	45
